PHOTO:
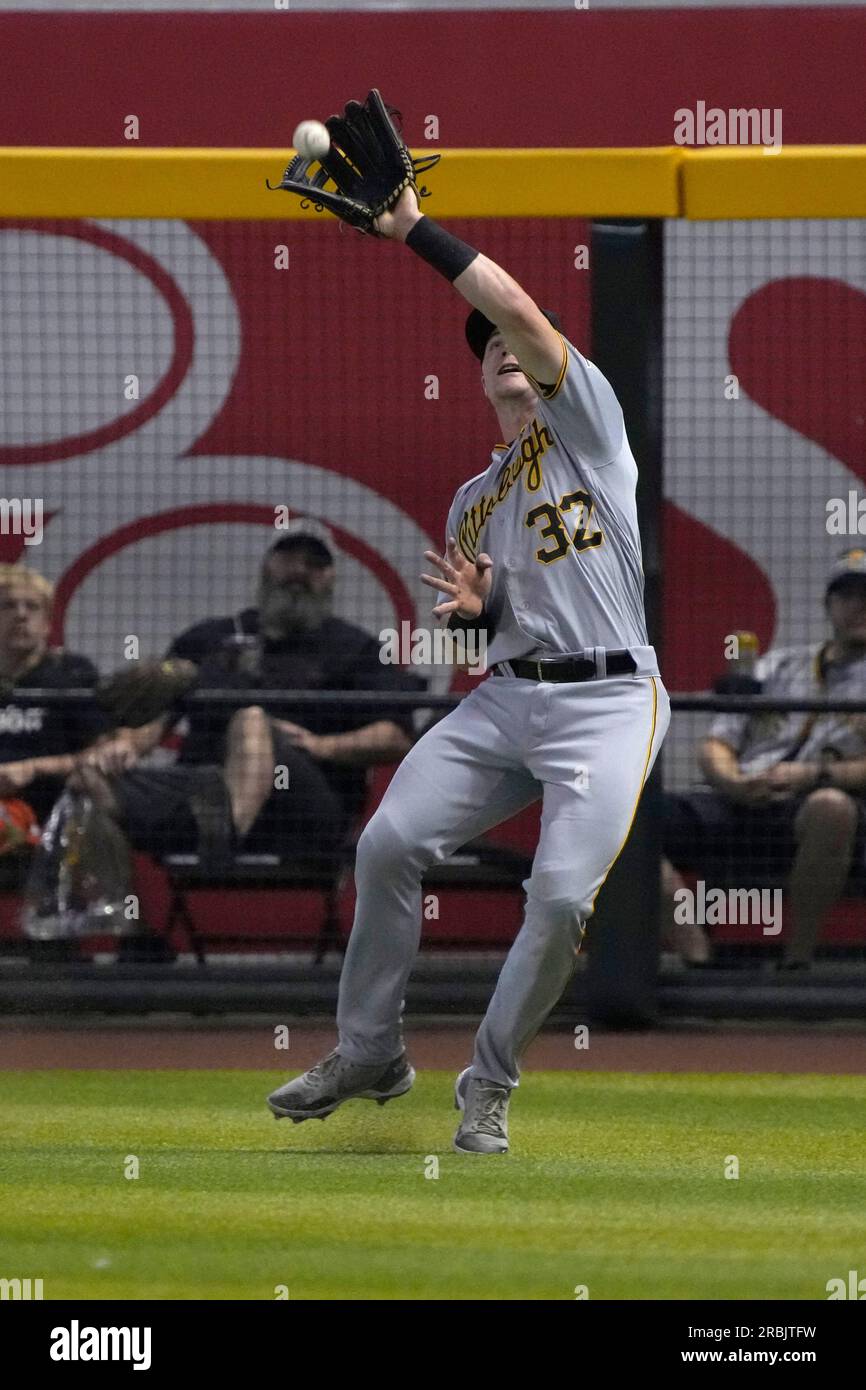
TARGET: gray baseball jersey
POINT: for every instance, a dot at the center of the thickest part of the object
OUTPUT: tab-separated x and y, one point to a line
556	512
762	740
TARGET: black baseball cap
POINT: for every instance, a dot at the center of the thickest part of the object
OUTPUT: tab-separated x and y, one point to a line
305	533
479	329
848	572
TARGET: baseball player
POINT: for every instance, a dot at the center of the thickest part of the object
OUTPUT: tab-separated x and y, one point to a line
543	551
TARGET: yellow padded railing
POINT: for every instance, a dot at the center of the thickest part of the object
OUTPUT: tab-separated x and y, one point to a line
719	182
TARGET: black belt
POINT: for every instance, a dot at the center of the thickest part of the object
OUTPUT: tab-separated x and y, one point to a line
569	668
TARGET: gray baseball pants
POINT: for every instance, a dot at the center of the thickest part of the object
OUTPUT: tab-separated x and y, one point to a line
586	750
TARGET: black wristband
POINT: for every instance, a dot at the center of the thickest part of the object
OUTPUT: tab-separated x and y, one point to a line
457	624
446	253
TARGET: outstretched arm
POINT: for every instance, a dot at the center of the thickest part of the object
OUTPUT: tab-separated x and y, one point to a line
536	345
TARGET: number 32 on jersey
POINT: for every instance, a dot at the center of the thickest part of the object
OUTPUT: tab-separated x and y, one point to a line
555	529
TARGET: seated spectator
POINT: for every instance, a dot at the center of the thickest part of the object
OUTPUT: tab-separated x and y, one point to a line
223	788
786	788
40	745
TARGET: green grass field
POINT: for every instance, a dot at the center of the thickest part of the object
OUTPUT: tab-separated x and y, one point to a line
615	1182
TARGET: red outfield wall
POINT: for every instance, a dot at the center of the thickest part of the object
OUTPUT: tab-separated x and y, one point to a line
340	406
504	78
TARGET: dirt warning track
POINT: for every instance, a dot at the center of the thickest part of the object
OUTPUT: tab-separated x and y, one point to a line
250	1047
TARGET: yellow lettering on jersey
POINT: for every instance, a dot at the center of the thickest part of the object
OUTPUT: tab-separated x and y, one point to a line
532	450
463	541
527	463
583	538
554	529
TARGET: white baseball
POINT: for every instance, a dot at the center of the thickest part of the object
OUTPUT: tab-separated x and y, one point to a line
311	139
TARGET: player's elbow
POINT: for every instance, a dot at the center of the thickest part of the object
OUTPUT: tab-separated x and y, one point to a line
516	312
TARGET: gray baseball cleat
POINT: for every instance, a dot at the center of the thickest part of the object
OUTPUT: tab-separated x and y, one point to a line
484	1126
319	1091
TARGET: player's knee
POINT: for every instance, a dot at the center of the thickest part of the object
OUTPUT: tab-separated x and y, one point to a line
560	895
382	851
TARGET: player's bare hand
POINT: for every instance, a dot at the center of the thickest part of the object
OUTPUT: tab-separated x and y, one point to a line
398	222
467	583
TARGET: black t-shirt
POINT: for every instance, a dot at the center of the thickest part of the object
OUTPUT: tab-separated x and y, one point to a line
31	730
337	656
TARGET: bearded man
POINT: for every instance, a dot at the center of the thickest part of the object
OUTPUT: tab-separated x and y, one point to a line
276	780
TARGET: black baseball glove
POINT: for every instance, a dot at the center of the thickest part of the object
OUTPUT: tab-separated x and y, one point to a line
145	690
368	165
